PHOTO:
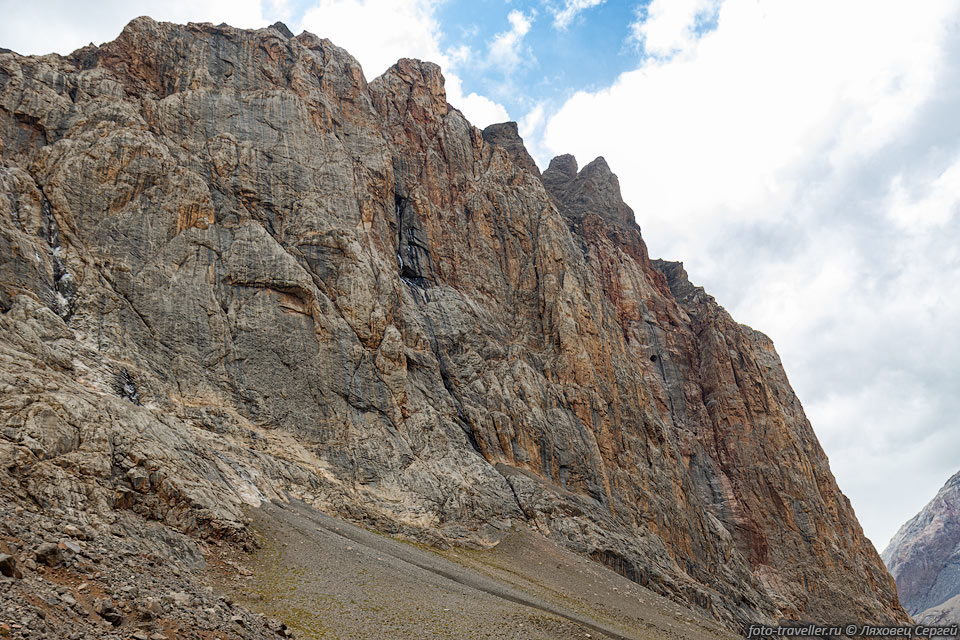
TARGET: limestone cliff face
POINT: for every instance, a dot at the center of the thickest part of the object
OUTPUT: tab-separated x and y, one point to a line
232	269
924	558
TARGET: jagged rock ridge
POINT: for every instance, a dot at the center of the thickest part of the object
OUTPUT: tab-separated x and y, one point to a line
231	269
924	558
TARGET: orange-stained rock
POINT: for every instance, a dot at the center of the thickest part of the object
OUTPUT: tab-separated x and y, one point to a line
249	273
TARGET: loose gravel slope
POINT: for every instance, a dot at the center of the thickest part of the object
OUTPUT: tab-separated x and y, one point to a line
329	579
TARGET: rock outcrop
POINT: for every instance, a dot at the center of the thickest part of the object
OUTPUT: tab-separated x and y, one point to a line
924	558
507	136
231	270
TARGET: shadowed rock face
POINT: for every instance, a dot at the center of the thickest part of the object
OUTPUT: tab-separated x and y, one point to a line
592	190
313	285
924	558
507	136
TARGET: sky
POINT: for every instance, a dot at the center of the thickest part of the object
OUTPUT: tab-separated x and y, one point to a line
802	158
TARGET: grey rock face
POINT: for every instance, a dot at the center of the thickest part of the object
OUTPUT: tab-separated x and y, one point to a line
594	189
924	555
8	566
232	270
49	554
106	610
507	136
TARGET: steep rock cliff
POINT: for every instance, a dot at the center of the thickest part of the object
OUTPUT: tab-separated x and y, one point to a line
924	557
231	269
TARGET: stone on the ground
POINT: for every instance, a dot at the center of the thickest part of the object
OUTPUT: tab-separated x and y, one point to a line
49	554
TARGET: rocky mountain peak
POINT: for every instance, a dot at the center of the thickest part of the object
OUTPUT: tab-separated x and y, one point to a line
282	28
598	170
234	271
507	135
160	58
562	169
563	165
952	483
422	78
411	92
594	189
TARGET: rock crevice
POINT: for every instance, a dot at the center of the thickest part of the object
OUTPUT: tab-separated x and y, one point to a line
341	291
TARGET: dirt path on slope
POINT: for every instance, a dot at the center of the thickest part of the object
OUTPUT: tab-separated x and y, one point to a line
329	579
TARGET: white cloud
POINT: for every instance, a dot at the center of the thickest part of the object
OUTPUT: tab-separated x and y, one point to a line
933	209
571	9
460	55
380	32
506	50
755	99
279	10
530	128
666	27
803	159
533	121
62	26
479	110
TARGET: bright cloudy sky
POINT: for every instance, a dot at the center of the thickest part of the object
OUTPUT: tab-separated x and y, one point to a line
802	158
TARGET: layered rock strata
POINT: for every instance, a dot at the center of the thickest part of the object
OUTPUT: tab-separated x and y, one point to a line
232	269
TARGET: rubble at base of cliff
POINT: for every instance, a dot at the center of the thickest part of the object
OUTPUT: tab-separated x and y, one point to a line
232	269
124	578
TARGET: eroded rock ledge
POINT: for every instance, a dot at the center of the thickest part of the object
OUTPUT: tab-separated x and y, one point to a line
340	290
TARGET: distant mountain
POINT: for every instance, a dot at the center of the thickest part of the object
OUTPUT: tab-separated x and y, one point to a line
942	614
924	558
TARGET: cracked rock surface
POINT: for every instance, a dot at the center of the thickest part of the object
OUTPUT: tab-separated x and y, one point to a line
233	270
924	559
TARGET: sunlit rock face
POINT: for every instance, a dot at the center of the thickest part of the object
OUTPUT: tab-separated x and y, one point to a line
232	269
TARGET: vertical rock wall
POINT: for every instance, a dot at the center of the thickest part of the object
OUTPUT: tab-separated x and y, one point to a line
382	310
